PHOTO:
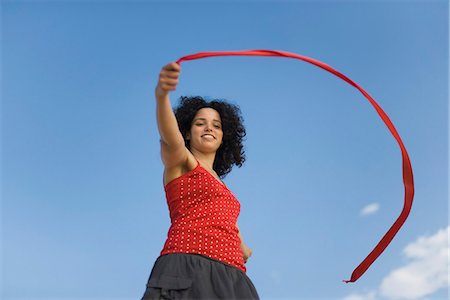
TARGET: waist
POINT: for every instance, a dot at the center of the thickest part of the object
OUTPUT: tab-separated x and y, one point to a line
211	241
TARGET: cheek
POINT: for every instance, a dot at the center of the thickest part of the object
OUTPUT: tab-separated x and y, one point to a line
195	130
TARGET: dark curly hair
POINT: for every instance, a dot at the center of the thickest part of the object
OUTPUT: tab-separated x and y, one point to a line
231	152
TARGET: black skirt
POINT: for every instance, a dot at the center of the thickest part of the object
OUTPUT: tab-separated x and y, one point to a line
193	276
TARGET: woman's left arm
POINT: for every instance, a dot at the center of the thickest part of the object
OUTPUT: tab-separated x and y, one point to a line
245	249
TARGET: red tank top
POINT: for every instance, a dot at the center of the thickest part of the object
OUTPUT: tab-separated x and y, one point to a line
203	213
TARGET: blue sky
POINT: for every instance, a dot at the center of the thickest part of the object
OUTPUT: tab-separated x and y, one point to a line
83	207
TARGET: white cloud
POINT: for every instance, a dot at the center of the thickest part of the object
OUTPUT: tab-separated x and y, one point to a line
425	273
370	209
356	296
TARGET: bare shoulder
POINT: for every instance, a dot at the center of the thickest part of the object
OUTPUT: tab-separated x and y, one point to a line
177	171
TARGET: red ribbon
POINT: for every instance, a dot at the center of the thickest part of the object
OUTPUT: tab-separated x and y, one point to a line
408	180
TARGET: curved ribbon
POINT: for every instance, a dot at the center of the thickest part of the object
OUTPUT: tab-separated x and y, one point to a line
408	180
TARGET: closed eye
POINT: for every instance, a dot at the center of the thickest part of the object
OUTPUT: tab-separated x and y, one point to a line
200	124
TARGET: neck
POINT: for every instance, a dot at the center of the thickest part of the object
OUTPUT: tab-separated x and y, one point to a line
206	159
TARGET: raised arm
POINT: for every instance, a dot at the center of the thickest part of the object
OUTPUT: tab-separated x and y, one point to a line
173	150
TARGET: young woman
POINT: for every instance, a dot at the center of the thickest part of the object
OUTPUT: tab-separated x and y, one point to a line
204	255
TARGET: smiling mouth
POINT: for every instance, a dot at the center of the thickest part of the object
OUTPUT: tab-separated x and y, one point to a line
209	135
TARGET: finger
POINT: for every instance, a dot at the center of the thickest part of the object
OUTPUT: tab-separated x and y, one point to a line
168	87
172	67
170	74
170	81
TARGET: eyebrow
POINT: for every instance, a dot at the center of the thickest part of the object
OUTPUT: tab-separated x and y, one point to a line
205	120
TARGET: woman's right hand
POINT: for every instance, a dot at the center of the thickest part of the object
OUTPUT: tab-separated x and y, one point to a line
168	79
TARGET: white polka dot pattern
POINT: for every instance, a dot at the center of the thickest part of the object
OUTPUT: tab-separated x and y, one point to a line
204	214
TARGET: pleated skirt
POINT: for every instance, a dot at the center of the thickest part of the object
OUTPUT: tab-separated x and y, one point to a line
193	276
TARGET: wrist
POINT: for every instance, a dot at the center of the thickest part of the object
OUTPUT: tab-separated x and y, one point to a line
160	94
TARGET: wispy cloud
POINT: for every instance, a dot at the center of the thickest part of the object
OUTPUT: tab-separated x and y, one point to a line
364	296
425	273
370	209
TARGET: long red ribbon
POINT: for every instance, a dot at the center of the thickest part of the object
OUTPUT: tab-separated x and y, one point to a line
408	180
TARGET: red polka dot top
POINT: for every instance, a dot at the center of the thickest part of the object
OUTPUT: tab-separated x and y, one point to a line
203	213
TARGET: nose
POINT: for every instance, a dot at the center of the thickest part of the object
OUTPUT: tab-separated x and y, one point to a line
208	127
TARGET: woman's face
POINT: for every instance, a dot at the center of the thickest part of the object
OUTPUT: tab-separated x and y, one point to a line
206	130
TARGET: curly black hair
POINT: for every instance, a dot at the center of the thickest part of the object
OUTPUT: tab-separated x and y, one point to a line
231	152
